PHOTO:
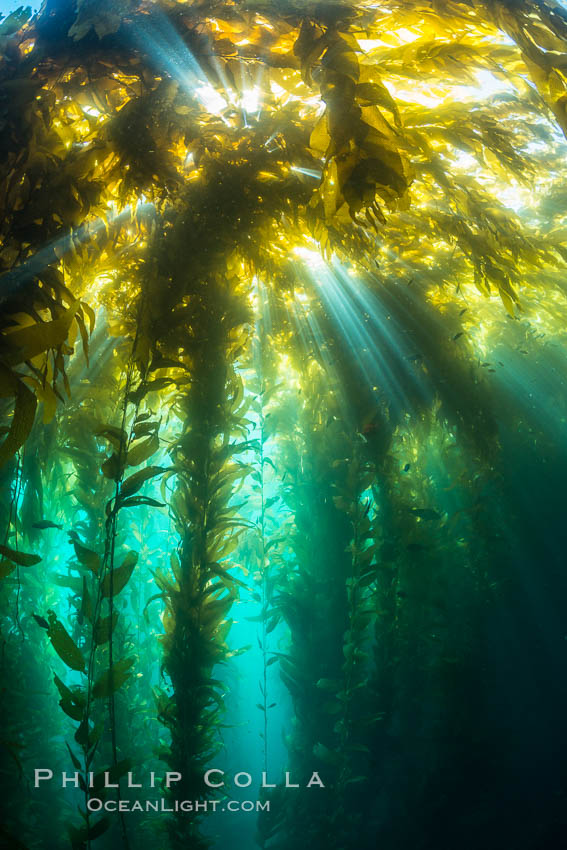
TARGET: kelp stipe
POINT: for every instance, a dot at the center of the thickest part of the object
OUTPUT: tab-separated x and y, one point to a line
197	343
100	582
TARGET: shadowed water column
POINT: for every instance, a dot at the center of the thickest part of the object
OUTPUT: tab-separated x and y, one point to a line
323	601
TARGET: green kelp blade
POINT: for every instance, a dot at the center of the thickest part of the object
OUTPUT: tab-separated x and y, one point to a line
111	680
23	416
135	481
22	559
64	645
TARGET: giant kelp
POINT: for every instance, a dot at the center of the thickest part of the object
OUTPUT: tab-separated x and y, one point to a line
273	267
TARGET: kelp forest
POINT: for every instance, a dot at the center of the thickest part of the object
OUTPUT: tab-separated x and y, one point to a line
283	382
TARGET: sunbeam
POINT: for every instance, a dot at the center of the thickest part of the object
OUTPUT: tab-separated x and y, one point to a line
377	344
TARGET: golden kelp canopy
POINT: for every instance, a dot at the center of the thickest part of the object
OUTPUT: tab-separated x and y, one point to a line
355	117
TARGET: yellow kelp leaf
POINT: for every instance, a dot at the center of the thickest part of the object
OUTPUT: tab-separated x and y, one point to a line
237	25
330	190
371	92
142	350
556	85
88	558
508	302
120	576
560	112
545	38
372	116
26	343
90	315
112	468
117	437
320	139
45	394
135	481
142	451
308	47
23	417
342	59
224	628
214	611
84	335
343	215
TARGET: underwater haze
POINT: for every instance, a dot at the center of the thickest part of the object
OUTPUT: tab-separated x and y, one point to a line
283	425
